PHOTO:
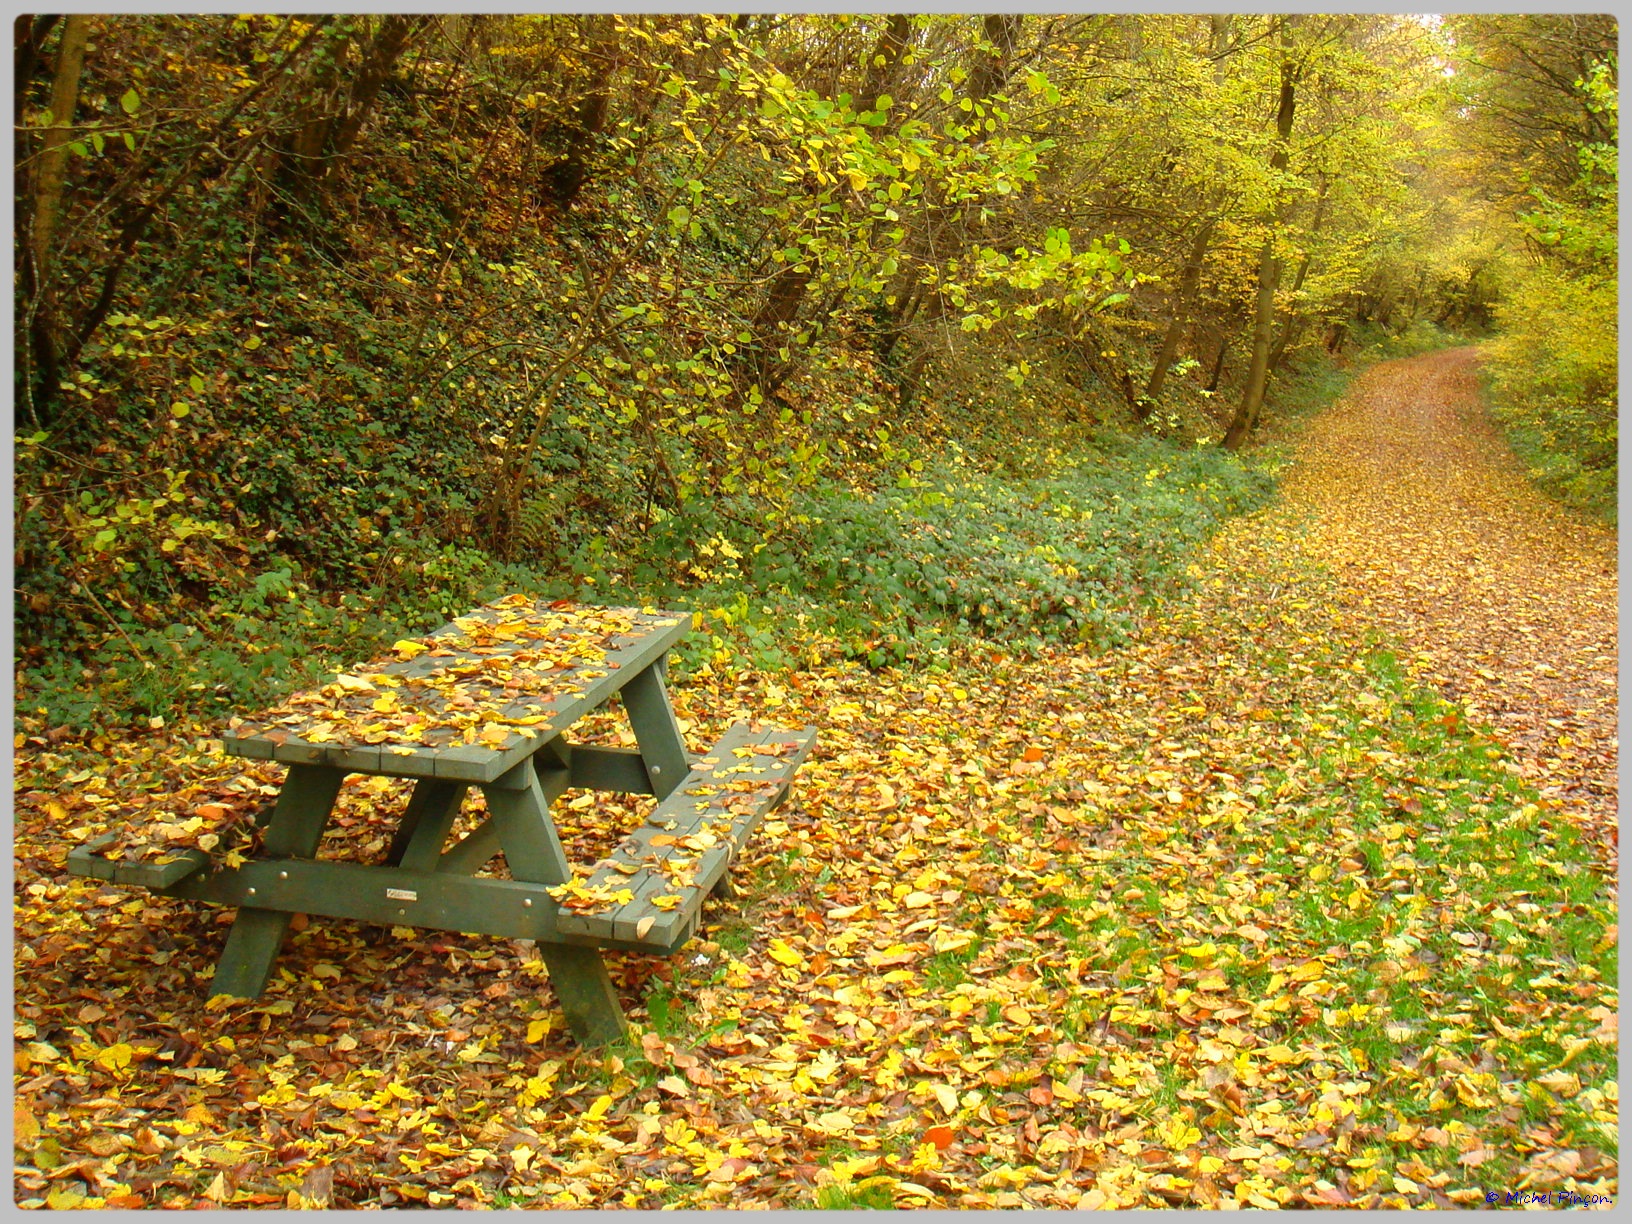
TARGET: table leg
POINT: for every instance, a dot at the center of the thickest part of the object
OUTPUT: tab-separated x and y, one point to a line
294	831
432	809
533	850
652	719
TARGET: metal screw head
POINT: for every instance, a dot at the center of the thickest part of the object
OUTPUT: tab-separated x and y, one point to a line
526	903
283	875
250	893
657	769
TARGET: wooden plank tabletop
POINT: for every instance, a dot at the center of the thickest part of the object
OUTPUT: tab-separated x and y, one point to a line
469	700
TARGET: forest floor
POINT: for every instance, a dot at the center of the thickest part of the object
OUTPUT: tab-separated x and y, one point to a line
1305	897
1434	534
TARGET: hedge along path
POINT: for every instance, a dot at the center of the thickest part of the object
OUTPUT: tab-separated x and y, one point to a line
1434	533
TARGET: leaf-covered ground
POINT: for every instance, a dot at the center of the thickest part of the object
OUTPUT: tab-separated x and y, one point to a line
1424	516
1250	912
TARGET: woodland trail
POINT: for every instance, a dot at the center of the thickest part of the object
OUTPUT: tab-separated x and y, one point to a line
1433	533
1238	912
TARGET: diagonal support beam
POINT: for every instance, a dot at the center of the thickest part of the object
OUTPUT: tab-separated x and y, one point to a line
532	848
294	831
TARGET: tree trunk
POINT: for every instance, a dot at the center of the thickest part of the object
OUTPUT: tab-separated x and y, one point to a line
54	155
770	326
992	68
28	41
760	363
1218	362
566	178
321	109
49	179
1269	268
326	136
1263	326
396	32
1189	279
1293	324
887	52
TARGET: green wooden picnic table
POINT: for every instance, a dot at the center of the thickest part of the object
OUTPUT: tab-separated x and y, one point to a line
487	701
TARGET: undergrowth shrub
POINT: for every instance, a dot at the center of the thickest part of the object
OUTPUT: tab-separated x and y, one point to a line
245	650
957	554
1421	336
1552	375
951	554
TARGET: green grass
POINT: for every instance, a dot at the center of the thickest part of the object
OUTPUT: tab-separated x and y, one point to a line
853	1198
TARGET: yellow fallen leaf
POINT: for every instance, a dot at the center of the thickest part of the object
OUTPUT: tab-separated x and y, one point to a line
834	1122
407	649
115	1057
597	1111
784	955
1565	1083
536	1030
25	1129
951	941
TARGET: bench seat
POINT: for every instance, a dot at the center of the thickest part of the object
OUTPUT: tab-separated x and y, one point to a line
650	890
162	838
216	818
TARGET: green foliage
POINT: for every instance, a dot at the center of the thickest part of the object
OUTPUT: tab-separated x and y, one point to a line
273	635
1566	437
957	554
952	553
801	257
1420	336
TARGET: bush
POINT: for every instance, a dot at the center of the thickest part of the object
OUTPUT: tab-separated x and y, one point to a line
1552	374
956	555
248	650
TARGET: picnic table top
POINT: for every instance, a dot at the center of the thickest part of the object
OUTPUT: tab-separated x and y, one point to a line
470	700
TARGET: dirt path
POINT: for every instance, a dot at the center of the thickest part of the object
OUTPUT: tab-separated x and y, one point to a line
1435	536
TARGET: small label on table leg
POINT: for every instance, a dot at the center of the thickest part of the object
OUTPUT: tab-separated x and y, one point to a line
401	894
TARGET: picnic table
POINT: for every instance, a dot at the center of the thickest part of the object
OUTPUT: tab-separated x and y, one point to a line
486	701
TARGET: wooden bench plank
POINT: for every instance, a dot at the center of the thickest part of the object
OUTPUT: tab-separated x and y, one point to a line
620	770
169	867
687	843
473	905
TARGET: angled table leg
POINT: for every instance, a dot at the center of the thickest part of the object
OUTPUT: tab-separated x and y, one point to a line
295	830
652	719
432	809
533	850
